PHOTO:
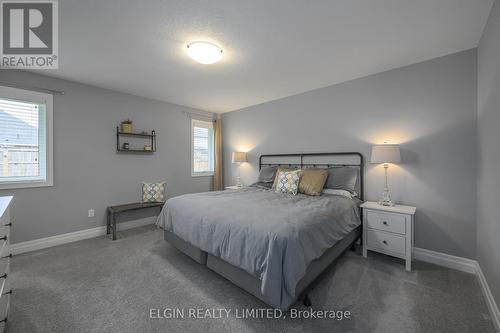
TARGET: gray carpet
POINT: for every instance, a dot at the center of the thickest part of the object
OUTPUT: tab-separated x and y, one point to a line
98	285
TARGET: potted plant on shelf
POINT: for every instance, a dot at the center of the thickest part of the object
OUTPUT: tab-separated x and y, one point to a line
127	126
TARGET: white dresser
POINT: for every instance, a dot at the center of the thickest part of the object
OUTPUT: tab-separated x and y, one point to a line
388	230
5	291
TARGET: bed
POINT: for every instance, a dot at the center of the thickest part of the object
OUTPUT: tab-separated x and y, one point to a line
273	245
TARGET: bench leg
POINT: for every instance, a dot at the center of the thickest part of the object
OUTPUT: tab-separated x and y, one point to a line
108	222
113	220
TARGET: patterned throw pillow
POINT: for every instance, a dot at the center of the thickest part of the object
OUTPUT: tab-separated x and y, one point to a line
153	192
281	169
288	182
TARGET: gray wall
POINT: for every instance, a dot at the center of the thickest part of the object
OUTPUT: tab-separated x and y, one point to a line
488	181
88	173
429	108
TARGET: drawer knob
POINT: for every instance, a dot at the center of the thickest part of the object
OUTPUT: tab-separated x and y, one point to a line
385	242
384	223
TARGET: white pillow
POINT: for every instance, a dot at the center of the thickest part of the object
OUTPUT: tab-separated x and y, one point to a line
343	193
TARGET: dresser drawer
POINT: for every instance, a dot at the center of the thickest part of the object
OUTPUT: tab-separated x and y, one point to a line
387	241
4	308
4	267
387	222
5	286
4	248
4	231
5	218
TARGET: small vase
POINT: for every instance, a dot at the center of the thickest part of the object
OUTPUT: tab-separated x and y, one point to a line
127	128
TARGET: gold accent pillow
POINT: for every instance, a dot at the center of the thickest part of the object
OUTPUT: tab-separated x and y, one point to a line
312	181
281	169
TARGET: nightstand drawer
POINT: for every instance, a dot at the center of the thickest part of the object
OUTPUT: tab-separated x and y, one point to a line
386	241
387	222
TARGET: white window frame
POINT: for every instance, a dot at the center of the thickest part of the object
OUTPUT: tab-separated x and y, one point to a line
42	98
208	123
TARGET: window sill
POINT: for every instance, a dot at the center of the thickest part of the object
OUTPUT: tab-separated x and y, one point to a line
211	174
25	184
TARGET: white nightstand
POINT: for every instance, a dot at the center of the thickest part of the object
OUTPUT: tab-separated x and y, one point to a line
388	230
232	187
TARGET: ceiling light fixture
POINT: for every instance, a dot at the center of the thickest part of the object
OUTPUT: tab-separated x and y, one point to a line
204	52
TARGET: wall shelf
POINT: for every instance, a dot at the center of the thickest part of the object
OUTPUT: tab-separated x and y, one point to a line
149	137
141	135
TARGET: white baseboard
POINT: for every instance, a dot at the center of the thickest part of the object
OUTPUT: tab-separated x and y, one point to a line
446	260
42	243
492	305
464	265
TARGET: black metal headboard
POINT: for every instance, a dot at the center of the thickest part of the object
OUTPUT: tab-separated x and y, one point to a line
319	160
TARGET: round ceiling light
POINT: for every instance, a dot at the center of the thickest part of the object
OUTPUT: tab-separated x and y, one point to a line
204	52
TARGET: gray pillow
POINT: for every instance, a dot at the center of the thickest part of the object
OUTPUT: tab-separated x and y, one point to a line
342	178
267	174
262	185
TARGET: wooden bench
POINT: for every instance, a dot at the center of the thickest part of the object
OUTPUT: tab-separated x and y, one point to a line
118	209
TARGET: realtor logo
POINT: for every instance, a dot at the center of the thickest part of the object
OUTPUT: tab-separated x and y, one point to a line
29	36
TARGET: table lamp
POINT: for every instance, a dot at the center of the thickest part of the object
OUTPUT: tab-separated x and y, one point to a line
238	158
385	154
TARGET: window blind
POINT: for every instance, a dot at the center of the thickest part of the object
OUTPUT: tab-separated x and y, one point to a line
203	146
20	139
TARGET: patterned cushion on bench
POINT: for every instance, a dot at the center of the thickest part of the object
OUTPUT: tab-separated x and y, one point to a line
153	192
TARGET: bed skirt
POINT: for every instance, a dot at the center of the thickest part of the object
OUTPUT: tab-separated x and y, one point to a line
250	283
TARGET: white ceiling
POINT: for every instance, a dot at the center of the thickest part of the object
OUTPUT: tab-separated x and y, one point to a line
272	49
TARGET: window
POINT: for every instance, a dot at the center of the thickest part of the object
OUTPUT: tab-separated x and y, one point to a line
25	138
202	148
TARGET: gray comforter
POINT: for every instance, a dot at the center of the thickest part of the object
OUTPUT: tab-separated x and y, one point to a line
269	235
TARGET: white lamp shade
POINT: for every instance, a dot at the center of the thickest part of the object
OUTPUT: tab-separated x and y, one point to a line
385	154
239	157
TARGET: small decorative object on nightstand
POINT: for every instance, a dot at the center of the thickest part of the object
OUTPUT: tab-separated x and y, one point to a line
388	230
235	187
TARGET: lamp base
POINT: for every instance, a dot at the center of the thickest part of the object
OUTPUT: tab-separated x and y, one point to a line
386	199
